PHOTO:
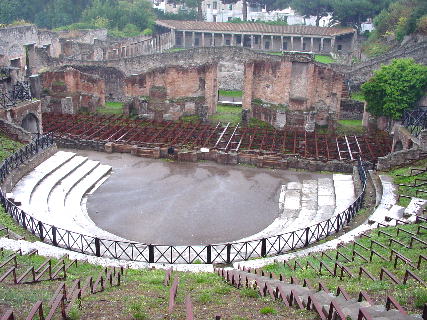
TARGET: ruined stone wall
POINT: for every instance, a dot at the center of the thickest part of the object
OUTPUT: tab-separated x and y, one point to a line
23	111
351	110
362	72
86	90
84	36
295	82
14	131
179	85
230	75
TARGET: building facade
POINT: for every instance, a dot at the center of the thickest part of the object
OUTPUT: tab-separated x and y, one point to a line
259	36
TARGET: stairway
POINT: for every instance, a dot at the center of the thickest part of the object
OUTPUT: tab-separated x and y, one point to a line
54	192
302	204
321	301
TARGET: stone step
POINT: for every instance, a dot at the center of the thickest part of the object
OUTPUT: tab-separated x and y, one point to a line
41	194
56	203
25	187
344	192
388	200
77	213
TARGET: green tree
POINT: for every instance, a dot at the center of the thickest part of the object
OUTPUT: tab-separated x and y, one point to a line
395	87
317	8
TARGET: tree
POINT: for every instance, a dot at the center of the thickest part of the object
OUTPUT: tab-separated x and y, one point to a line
268	5
317	8
395	87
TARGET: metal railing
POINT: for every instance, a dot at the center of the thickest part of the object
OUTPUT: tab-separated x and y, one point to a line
415	120
21	91
152	253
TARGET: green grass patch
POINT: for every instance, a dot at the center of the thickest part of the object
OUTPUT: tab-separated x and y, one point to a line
230	93
227	114
274	53
175	49
111	108
350	127
411	295
193	118
8	147
267	310
324	59
413	183
256	123
358	96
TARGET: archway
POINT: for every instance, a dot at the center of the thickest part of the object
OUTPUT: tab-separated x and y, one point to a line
31	123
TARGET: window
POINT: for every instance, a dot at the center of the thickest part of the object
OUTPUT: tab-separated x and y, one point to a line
196	41
214	5
285	45
267	45
230	18
339	47
227	42
178	41
214	18
230	7
303	46
256	39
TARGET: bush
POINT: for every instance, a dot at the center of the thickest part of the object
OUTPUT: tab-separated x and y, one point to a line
395	87
422	24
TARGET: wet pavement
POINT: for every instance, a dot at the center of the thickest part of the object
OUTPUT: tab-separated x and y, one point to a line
161	202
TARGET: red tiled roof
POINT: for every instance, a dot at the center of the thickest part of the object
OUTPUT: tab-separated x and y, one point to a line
252	27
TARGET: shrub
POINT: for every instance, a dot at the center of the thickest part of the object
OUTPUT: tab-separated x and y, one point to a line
395	87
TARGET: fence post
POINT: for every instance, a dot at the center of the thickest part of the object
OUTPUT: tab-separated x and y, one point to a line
263	247
151	253
55	243
209	254
24	225
307	241
97	247
228	253
40	225
338	223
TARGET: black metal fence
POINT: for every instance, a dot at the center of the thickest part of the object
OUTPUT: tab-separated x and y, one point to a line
215	253
415	120
21	91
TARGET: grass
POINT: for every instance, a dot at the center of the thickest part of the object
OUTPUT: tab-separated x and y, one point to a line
226	114
323	59
7	147
111	108
268	310
175	49
411	295
256	123
408	180
350	127
358	95
230	93
193	118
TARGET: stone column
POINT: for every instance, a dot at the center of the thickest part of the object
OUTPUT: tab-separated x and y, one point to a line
193	34
321	44
252	41
213	40
203	39
183	39
292	43
302	43
223	39
281	43
242	37
272	44
173	37
232	40
262	42
333	44
311	44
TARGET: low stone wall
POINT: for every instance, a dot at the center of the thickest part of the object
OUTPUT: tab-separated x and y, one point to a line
71	143
397	158
15	132
24	169
351	109
252	158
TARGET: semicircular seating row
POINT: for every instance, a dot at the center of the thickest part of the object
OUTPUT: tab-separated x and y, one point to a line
306	203
53	192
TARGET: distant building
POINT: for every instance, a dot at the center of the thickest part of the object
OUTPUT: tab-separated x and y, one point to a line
259	36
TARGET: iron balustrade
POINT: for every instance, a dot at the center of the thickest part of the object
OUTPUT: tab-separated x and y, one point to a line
415	120
152	253
21	91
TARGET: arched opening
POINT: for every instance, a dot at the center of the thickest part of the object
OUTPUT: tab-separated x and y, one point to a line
410	144
30	123
398	146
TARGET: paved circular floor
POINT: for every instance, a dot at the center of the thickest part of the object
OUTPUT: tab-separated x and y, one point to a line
161	202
